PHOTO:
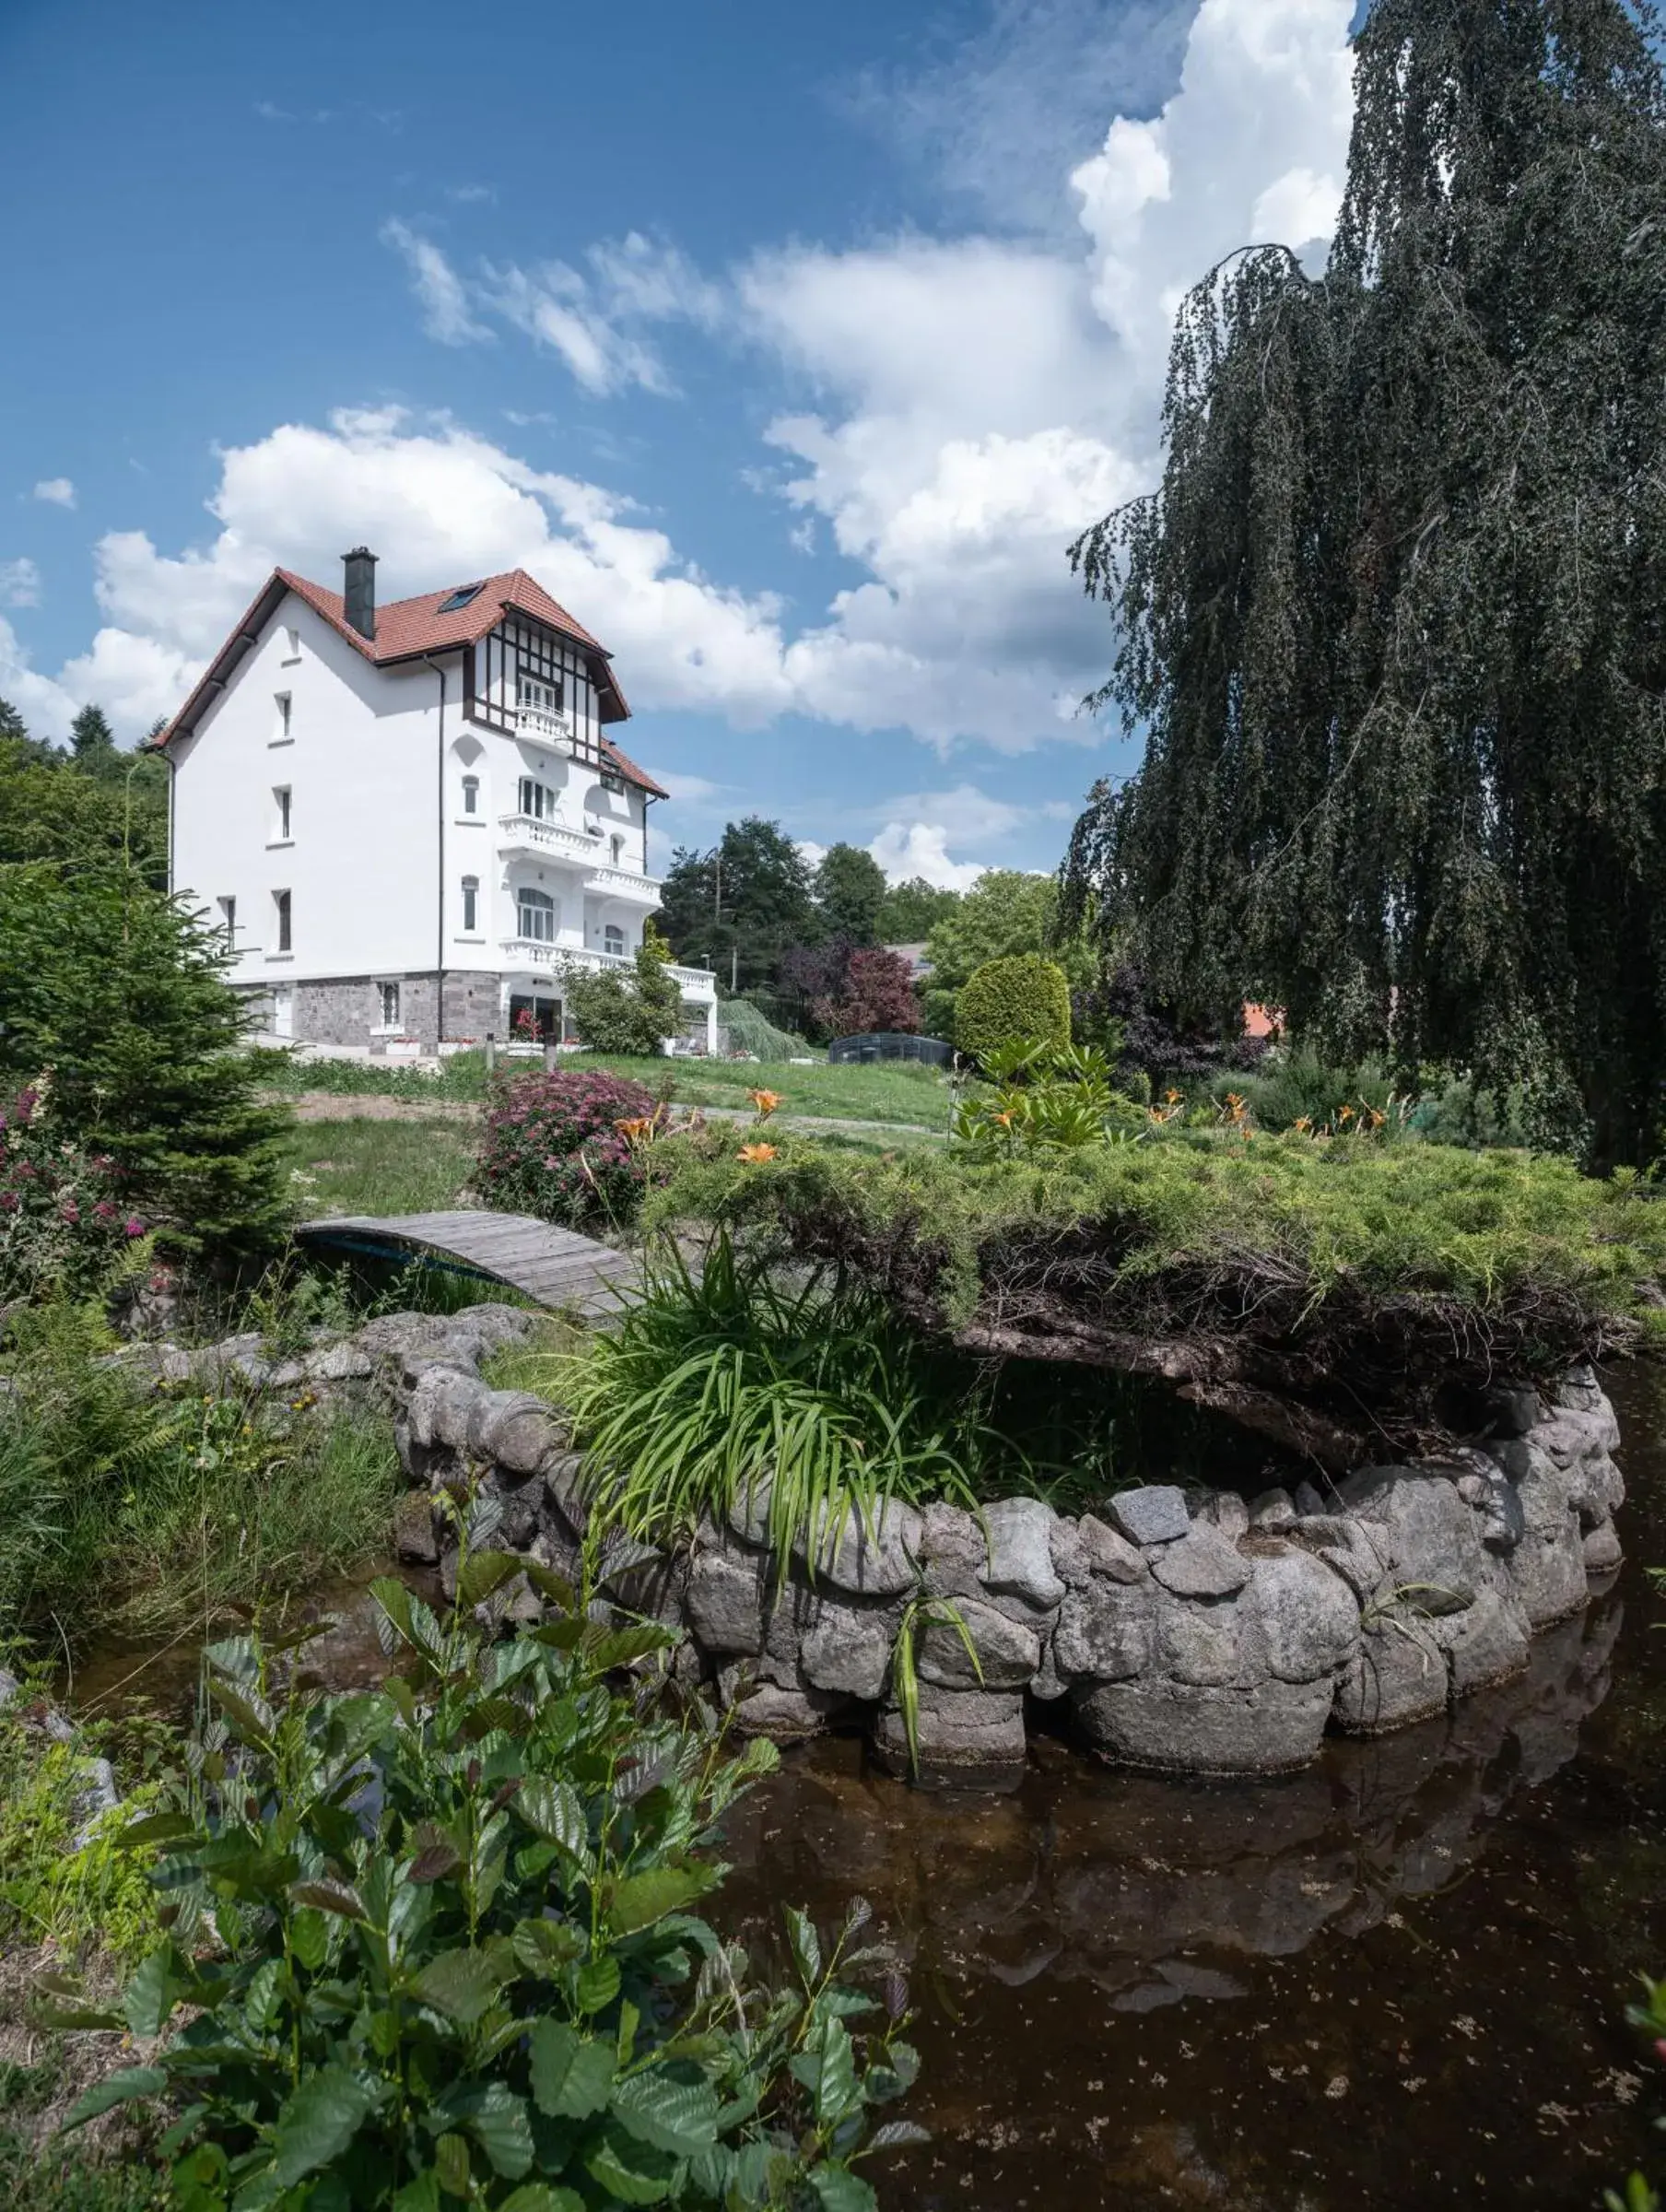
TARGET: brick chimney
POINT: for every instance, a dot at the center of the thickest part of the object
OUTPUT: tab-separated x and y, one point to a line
358	590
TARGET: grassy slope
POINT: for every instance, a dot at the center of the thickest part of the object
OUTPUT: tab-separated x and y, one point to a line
894	1092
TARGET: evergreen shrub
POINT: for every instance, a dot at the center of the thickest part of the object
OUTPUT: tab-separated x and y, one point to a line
554	1147
1368	1283
118	993
1019	1000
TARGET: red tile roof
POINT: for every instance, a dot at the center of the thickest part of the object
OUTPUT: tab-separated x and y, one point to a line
406	629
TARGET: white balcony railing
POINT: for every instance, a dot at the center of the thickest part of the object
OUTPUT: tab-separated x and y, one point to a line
545	722
538	952
624	883
528	833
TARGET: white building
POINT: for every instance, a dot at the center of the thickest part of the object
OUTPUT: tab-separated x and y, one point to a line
408	819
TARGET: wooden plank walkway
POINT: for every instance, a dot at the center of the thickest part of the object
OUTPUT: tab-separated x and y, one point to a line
555	1267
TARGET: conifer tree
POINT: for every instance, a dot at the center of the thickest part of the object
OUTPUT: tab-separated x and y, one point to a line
1394	622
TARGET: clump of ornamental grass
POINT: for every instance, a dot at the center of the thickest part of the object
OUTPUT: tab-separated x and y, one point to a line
728	1384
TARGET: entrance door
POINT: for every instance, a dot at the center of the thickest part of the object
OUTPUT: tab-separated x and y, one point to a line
282	1010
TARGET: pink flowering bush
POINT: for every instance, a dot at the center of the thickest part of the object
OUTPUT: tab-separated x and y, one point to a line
554	1147
63	1216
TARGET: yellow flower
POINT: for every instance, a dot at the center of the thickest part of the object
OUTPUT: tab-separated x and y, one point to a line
635	1131
756	1152
1345	1113
1303	1123
765	1101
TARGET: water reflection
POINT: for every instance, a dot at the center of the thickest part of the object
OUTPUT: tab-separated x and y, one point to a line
1121	1880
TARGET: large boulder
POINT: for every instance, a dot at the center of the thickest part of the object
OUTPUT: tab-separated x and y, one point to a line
1105	1632
1156	1512
1308	1615
873	1556
1181	1728
1008	1653
1020	1532
964	1735
1203	1563
727	1598
1397	1676
1423	1531
848	1648
1208	1640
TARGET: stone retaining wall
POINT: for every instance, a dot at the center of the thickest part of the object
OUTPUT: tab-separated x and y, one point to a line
1191	1631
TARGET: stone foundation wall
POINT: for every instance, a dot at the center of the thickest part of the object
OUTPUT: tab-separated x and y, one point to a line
347	1009
1187	1631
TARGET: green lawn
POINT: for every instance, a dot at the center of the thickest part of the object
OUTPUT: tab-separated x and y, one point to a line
378	1167
896	1090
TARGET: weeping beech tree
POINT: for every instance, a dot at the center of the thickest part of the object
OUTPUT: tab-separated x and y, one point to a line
1394	622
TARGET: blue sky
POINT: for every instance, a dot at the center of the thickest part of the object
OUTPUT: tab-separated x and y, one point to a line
789	346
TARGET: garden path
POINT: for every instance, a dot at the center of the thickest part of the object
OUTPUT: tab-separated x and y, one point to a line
555	1267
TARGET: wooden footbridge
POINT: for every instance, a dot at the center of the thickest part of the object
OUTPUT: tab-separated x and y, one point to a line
555	1267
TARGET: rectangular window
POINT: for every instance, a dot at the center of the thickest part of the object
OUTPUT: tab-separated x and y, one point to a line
280	800
470	794
471	904
283	732
538	799
229	923
610	782
280	903
389	993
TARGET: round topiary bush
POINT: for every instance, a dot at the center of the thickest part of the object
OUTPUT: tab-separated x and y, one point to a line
1021	1000
553	1146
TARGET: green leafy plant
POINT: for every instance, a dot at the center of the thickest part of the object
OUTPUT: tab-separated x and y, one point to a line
727	1385
1022	999
63	1877
437	1943
614	1014
1046	1098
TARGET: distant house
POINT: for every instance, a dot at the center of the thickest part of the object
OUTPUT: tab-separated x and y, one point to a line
918	966
410	821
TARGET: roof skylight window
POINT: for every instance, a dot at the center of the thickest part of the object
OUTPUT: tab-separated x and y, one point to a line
460	598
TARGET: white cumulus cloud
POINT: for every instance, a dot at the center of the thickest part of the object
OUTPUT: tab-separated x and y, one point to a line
442	293
905	850
57	491
19	583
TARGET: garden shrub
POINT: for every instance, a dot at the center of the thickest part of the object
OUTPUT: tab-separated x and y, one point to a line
64	1877
480	1980
1020	1000
614	1014
118	992
64	1216
553	1146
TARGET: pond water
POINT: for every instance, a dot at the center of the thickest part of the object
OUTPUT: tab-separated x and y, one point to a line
1397	1979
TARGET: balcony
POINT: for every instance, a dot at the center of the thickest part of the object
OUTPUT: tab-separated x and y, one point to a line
539	953
549	840
626	884
549	722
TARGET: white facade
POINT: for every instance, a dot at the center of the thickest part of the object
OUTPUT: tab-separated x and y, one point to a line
415	849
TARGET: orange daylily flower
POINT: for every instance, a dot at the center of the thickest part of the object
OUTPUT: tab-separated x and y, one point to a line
756	1152
765	1101
1004	1118
633	1131
1345	1113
